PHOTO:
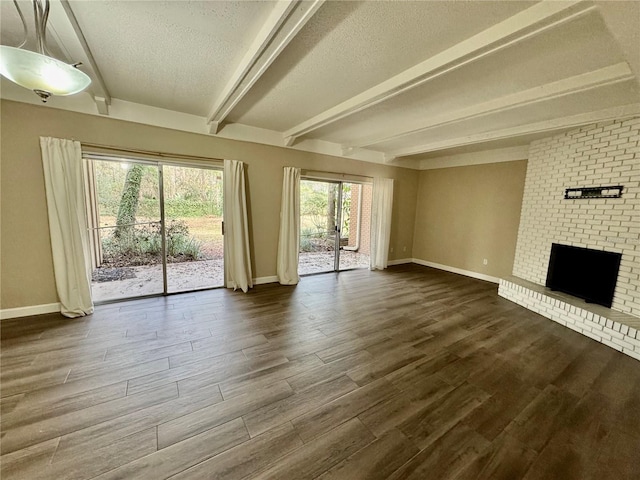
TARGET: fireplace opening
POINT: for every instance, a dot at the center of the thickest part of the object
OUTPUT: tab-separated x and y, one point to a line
584	273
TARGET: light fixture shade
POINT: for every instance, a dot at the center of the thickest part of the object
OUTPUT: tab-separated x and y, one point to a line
39	72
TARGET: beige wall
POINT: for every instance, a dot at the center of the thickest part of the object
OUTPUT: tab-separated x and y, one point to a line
26	271
467	214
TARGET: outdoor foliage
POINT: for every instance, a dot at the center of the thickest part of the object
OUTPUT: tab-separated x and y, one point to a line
143	246
318	203
346	211
314	206
311	241
180	245
130	193
129	202
189	192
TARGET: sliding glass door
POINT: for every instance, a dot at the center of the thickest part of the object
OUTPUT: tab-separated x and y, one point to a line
318	223
125	229
154	228
334	226
355	225
193	228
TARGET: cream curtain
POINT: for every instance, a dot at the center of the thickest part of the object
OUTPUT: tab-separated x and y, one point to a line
289	238
237	264
381	222
64	188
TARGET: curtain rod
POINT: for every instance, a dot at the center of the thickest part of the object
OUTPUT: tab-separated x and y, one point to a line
149	152
342	174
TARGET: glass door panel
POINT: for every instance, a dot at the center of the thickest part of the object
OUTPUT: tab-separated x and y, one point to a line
125	229
193	227
355	226
318	222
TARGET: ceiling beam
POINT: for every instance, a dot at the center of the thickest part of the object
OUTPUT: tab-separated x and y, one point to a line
567	86
550	126
497	155
67	33
285	21
214	127
526	24
622	20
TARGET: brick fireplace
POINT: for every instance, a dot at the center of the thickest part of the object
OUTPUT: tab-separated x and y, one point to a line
596	155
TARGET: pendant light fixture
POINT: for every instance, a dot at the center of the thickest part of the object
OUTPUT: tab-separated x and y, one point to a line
39	71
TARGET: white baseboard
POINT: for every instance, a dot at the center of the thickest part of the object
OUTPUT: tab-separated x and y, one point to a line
263	280
461	271
28	311
55	307
400	261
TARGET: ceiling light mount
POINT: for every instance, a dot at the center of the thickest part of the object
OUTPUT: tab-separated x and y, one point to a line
44	95
39	71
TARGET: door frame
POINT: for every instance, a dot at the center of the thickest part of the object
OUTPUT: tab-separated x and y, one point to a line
90	195
338	219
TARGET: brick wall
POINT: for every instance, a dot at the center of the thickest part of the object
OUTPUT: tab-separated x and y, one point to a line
353	214
365	216
596	155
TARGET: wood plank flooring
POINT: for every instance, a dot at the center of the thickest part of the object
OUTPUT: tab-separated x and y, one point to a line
410	373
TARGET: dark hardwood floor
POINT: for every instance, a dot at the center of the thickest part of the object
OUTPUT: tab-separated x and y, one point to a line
410	373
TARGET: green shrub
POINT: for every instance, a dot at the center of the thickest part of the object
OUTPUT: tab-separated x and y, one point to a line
142	245
306	240
314	239
179	243
192	249
180	207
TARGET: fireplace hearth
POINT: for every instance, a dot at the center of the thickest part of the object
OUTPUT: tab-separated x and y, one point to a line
617	330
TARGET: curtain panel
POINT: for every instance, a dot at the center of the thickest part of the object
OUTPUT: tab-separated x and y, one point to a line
64	188
237	263
289	237
381	222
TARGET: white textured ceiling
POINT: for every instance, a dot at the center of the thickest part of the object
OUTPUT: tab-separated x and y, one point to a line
173	55
504	73
351	46
380	81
